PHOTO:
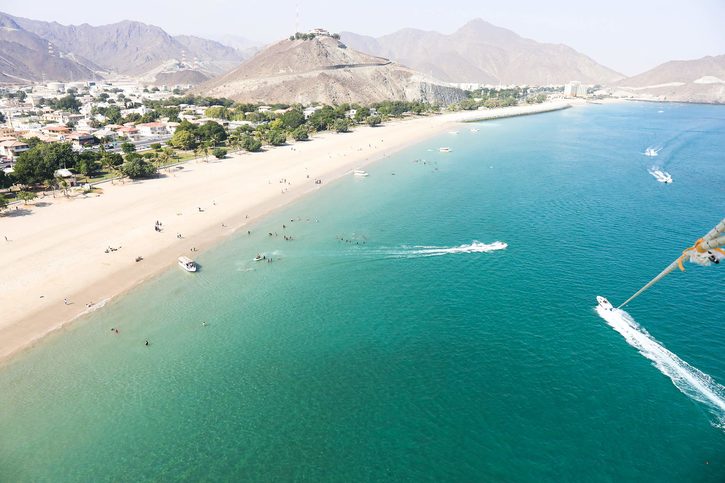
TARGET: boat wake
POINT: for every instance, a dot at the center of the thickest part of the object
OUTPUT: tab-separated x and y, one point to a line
660	175
689	380
435	251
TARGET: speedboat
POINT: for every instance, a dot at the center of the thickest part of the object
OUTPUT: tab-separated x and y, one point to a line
360	172
604	303
444	150
652	152
259	257
661	176
187	264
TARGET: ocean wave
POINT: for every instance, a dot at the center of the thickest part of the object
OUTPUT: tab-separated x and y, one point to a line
688	379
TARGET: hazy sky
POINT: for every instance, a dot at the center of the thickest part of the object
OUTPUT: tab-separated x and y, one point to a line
627	35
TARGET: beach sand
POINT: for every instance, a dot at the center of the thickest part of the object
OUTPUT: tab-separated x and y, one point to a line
55	262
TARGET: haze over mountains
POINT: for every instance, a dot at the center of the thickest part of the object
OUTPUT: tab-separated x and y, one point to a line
480	52
477	53
699	80
325	70
25	56
128	48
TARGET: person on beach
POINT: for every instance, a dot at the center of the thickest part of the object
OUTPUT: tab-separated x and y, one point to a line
65	301
146	343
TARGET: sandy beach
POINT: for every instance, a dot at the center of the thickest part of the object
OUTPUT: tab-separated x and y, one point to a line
56	260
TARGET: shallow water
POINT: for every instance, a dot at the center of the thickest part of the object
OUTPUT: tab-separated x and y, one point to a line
357	355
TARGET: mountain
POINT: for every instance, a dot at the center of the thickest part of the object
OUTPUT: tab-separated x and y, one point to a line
134	48
26	57
480	52
325	70
700	80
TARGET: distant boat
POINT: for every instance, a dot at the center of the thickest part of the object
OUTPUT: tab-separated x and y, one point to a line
473	129
187	264
360	172
444	150
661	176
259	257
452	132
652	152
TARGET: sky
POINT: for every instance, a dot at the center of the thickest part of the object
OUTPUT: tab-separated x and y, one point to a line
629	36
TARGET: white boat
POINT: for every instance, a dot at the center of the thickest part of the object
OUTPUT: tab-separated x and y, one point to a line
187	264
259	257
360	172
652	152
473	129
604	303
661	176
444	150
452	132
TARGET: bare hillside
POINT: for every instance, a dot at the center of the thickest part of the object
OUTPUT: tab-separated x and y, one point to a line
325	70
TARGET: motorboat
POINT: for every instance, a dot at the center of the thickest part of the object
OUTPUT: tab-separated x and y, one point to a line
452	132
360	172
444	150
259	257
188	264
661	176
652	152
474	130
604	303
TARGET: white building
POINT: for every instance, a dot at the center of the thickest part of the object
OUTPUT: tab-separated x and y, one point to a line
575	89
152	129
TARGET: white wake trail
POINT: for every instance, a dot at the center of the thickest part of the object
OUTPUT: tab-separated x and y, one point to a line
689	380
434	251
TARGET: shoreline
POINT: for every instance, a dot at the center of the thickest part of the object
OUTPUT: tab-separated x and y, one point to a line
57	252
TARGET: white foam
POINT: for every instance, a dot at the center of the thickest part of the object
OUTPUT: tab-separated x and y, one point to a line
689	380
434	251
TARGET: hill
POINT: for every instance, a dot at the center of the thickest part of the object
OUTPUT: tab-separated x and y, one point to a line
700	80
480	52
325	70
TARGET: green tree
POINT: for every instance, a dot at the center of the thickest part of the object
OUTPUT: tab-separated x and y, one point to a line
67	103
341	125
26	196
138	168
373	121
38	165
6	181
361	114
277	137
292	119
213	132
219	153
250	143
217	112
301	134
3	202
128	148
155	146
183	140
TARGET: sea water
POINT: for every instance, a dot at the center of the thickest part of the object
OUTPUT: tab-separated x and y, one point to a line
433	321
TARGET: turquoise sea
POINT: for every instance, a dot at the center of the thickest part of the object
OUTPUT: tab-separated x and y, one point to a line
408	351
